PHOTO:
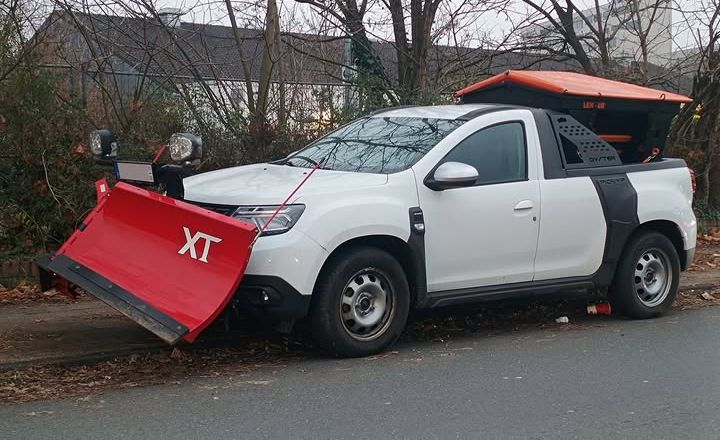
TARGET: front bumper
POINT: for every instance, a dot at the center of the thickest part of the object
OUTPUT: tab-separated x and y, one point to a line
280	276
293	257
270	297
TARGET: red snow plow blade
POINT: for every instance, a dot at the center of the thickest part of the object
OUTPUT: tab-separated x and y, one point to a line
170	266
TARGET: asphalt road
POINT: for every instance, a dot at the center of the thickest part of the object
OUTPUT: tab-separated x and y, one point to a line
656	379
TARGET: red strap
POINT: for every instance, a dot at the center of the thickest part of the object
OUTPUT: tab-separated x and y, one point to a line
287	199
160	152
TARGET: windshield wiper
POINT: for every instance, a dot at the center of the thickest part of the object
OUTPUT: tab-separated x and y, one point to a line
298	156
282	162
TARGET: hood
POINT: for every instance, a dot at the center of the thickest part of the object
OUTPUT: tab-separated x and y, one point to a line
270	184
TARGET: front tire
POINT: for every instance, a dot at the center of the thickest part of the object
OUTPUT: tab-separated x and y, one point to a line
360	303
647	277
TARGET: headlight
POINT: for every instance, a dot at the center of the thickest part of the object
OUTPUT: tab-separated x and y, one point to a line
259	215
95	145
102	143
185	146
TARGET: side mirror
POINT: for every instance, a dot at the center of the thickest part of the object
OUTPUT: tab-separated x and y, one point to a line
103	145
452	175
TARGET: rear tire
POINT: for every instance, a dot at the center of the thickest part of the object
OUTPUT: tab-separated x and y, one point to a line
647	277
360	303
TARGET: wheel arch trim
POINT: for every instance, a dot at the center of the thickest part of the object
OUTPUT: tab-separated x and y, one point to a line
409	253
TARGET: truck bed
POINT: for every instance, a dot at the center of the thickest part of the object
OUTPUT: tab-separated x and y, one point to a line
570	149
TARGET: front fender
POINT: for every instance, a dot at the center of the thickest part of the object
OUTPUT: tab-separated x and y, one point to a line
334	218
337	225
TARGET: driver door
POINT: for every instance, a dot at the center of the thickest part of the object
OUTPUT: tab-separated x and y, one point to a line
486	233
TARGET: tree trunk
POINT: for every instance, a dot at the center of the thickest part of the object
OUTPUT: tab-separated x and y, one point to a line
402	48
270	58
243	60
713	172
371	72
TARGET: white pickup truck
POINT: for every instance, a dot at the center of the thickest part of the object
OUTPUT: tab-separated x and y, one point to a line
422	207
536	182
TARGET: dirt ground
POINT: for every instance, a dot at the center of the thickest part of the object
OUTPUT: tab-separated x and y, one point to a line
246	349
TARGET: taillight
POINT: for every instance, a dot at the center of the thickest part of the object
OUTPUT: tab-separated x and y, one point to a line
692	179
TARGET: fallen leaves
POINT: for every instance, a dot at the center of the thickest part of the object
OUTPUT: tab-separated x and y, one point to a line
707	296
177	354
711	236
694	299
249	354
501	316
28	293
707	256
47	382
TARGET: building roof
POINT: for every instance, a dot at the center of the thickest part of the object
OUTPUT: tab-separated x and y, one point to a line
136	44
143	45
209	50
574	84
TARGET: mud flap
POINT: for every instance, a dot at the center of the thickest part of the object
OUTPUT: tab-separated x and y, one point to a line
170	266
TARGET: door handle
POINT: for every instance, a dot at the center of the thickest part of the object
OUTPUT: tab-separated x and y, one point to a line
524	205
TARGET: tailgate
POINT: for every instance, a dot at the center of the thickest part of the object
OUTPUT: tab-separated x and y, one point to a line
170	266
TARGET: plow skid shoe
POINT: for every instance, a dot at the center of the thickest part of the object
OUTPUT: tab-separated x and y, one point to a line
170	266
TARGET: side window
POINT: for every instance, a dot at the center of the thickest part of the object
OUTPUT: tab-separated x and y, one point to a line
497	152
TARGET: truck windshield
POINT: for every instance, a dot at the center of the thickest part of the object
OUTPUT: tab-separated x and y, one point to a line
375	145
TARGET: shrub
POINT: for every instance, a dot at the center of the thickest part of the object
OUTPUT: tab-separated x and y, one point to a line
45	171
